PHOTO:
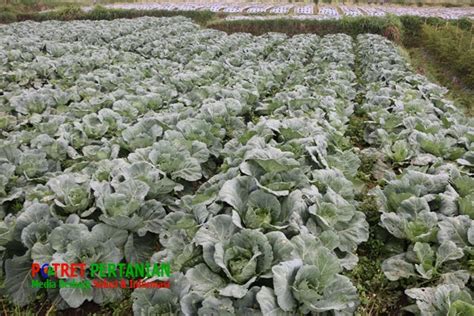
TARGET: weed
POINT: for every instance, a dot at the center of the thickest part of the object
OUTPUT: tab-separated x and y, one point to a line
356	129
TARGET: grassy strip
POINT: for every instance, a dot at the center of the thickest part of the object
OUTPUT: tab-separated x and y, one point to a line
70	13
413	27
10	9
388	26
102	13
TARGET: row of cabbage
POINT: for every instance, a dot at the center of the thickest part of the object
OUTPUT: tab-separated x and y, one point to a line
427	200
154	140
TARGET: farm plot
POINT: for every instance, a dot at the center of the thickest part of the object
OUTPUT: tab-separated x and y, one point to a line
153	140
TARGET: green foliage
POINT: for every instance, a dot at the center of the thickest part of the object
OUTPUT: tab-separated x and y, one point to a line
412	27
9	10
453	47
355	130
69	13
377	295
7	16
101	13
369	207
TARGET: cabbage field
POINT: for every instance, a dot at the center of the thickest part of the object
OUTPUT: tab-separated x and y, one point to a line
233	158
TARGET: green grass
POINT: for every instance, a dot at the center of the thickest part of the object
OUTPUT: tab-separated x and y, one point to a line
452	47
355	130
377	297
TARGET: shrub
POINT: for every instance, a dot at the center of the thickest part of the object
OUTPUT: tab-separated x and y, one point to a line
68	13
7	17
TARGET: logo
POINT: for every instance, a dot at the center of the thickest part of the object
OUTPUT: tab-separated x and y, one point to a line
100	275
